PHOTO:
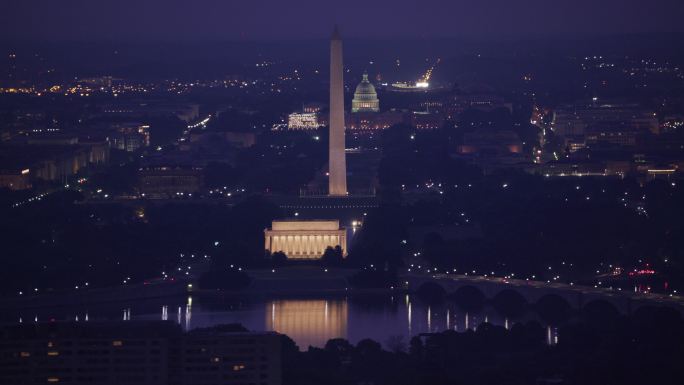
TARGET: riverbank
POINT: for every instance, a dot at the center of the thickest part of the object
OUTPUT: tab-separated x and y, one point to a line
291	281
76	297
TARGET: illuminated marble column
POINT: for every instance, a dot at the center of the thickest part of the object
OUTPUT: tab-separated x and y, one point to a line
319	243
337	168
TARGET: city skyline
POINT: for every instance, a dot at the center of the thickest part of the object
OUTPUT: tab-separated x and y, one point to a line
475	192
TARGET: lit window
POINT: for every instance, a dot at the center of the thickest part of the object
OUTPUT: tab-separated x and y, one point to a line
53	353
53	379
117	343
25	354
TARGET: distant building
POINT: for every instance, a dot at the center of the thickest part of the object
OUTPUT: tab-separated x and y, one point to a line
313	108
365	97
48	162
136	352
373	121
306	239
573	120
423	120
237	139
452	106
492	149
186	112
483	102
614	133
131	137
15	179
303	121
239	358
129	142
309	119
171	180
99	82
565	167
170	174
493	143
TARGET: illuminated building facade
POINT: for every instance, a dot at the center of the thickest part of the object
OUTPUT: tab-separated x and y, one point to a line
365	97
303	121
305	239
131	138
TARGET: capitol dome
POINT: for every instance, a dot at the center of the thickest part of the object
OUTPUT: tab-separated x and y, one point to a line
365	97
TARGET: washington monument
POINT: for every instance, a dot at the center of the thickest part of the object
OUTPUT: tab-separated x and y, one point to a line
337	168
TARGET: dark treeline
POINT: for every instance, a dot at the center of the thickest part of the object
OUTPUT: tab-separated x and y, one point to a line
59	242
644	348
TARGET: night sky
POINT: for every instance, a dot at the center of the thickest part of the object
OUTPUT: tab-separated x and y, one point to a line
282	19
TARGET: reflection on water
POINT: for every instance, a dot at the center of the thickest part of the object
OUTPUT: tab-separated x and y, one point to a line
551	335
308	322
188	313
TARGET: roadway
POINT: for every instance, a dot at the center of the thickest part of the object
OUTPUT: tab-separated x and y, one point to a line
665	299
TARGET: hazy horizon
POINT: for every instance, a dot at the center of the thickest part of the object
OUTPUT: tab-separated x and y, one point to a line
264	20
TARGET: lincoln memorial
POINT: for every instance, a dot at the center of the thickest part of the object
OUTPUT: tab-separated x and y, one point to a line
306	239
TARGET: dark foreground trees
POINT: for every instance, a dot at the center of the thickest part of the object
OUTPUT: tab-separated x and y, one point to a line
646	348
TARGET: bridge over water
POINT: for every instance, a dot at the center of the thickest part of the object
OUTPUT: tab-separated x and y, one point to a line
534	292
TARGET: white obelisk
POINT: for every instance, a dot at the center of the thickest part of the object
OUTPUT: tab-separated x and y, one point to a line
337	172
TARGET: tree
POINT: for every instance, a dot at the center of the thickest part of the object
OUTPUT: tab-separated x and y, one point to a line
435	250
416	347
279	258
332	257
165	130
340	347
218	175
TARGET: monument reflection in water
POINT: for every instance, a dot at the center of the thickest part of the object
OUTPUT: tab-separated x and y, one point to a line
308	322
389	320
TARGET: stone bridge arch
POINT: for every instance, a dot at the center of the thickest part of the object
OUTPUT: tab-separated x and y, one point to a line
493	288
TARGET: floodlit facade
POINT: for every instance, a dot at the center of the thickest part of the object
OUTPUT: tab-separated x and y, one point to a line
303	121
305	239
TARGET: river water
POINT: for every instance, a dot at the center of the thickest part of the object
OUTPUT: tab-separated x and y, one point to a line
390	320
